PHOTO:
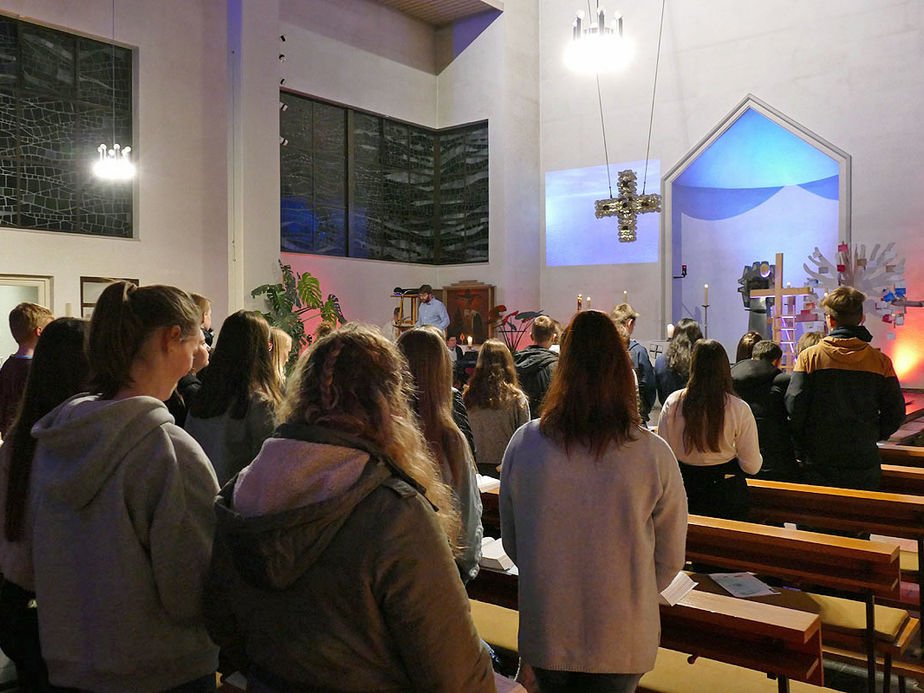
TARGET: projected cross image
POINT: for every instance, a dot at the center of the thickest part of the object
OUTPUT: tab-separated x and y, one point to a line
574	236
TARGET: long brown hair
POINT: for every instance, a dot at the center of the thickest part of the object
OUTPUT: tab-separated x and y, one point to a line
356	381
431	375
680	350
746	345
703	402
591	401
494	381
124	317
240	366
59	370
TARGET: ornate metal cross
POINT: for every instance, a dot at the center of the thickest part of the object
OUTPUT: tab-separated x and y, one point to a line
627	205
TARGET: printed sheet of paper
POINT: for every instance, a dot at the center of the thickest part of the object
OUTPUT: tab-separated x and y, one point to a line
742	585
678	589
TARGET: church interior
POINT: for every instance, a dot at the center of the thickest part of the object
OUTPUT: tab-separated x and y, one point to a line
776	133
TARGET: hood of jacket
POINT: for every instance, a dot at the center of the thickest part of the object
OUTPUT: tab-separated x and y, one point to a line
847	345
534	358
85	438
753	376
283	510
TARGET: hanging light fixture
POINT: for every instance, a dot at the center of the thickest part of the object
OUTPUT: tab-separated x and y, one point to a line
597	45
114	162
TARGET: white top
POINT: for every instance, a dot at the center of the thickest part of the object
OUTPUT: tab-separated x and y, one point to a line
738	437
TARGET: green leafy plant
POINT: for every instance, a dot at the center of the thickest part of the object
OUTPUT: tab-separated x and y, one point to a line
512	326
295	299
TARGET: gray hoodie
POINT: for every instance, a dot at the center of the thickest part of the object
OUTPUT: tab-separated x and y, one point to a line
123	523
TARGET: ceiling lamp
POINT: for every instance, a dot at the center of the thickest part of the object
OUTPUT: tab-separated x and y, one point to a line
114	162
597	45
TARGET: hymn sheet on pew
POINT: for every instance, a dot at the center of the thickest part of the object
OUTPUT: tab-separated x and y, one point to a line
679	588
742	585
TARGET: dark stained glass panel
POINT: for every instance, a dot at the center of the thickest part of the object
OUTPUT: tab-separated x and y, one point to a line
60	97
387	191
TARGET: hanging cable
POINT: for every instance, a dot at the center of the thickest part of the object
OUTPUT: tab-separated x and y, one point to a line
112	46
606	156
654	90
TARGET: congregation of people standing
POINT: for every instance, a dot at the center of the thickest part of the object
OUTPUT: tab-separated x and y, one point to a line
321	531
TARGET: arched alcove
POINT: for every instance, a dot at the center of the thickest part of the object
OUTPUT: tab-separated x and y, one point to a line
758	184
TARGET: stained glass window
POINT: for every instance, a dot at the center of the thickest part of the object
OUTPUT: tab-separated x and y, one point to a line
61	95
357	184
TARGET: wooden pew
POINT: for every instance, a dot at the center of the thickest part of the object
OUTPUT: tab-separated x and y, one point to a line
902	455
780	642
858	567
877	512
900	479
866	569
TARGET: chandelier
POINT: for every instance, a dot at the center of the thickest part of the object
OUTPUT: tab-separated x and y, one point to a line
597	45
114	163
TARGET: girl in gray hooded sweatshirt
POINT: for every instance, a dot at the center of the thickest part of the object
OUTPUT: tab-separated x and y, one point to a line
122	508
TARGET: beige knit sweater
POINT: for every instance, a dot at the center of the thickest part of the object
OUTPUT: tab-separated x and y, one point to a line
595	542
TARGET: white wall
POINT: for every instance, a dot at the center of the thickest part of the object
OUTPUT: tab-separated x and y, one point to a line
847	71
180	147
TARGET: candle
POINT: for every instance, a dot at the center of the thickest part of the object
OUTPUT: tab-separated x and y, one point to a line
705	294
68	310
580	298
625	296
469	341
588	303
670	330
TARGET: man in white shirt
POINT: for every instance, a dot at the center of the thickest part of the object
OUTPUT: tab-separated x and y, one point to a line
431	310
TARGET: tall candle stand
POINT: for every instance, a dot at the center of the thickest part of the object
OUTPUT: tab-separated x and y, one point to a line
705	308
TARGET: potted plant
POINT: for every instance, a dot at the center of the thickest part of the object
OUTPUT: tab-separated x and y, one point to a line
292	301
511	326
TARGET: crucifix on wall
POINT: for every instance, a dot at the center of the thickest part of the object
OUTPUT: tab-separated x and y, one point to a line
784	326
627	205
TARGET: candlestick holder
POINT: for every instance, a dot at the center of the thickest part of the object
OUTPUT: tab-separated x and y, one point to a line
705	308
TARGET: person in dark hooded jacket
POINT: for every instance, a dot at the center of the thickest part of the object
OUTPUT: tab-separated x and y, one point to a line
759	381
332	568
843	397
536	363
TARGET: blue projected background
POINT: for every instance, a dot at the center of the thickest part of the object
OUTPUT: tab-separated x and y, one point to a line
574	236
756	191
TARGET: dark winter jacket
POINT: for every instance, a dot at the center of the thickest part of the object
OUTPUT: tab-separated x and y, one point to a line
330	572
667	379
843	397
460	417
647	390
535	367
763	386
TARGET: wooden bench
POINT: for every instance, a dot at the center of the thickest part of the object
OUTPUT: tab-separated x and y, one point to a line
878	512
780	642
674	672
902	455
902	479
865	569
808	559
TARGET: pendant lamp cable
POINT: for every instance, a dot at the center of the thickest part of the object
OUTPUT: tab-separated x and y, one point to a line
606	156
112	48
654	90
